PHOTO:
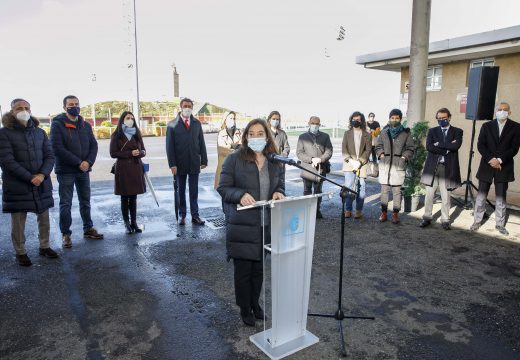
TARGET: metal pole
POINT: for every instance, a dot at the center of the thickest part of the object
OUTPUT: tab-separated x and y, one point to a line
418	60
136	104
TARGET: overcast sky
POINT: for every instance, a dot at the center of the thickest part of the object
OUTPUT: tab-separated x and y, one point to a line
251	56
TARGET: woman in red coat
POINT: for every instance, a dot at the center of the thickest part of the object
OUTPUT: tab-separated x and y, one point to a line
126	145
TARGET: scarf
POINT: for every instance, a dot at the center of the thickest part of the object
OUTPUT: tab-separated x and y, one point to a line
395	131
128	131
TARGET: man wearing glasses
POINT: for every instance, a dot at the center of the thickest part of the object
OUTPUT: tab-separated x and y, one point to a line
441	169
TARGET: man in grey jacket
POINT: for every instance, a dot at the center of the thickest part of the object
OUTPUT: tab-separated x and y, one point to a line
314	150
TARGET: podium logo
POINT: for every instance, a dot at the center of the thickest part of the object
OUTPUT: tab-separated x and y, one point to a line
294	222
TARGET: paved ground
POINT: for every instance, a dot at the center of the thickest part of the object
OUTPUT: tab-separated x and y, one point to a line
168	293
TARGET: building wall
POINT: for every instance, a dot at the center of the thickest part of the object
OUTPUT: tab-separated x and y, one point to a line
454	84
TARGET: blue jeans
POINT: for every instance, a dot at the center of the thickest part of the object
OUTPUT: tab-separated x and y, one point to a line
193	183
66	191
350	178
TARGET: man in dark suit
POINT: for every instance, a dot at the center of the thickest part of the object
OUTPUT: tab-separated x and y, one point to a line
441	169
186	151
498	144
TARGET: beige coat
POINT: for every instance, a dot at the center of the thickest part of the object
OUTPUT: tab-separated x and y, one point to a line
225	146
348	151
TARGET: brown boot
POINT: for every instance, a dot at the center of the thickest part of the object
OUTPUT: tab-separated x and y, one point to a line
348	214
67	242
358	215
383	217
395	218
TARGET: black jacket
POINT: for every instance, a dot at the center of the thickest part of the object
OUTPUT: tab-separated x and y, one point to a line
73	142
504	148
24	152
310	146
244	228
449	149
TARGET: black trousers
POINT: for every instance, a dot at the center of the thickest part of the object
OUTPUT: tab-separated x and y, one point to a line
248	282
129	204
308	187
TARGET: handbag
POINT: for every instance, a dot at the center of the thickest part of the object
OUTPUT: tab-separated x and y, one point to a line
113	168
372	169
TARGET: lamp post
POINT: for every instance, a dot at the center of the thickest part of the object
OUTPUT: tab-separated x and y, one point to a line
93	106
136	107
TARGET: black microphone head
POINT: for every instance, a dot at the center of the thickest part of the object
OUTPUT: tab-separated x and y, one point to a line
271	157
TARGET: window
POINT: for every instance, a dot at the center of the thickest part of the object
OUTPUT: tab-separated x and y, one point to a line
434	77
482	62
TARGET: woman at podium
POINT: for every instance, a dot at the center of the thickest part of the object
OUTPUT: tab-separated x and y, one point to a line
248	177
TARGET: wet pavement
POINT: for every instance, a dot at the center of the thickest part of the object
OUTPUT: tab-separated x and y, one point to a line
168	293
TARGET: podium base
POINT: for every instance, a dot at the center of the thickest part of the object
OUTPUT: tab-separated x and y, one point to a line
262	341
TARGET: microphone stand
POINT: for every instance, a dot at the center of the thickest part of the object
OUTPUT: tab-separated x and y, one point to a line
339	314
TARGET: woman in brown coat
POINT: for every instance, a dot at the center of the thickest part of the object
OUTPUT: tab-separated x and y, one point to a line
126	145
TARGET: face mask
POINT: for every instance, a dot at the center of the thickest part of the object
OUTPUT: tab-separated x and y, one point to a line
275	123
23	116
355	123
394	123
73	111
443	123
314	128
230	123
129	123
501	115
186	112
256	144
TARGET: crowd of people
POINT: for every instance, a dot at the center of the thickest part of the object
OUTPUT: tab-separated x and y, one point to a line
243	174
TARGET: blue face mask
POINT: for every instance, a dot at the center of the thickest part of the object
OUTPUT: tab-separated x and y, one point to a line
314	128
256	144
443	123
73	111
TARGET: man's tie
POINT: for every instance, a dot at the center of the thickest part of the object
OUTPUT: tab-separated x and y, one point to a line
187	124
444	132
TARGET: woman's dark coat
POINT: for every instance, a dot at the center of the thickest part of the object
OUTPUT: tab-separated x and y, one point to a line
449	148
244	228
24	152
129	176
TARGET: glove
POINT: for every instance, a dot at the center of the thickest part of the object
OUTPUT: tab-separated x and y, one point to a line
315	162
355	164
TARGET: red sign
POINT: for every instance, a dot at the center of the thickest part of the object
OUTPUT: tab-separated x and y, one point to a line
462	104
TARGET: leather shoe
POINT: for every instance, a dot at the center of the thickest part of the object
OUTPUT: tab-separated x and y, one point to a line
424	223
395	218
182	221
502	230
259	313
197	221
446	226
475	226
383	217
23	260
358	215
348	214
128	228
247	317
136	228
48	252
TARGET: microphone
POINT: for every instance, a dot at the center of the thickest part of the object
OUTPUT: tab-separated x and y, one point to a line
272	157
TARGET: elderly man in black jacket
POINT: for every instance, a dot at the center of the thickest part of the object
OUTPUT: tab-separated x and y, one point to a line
26	159
498	143
441	169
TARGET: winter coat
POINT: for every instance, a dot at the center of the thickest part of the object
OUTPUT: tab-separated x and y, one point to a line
397	152
348	151
72	142
311	146
505	147
185	148
448	148
281	141
129	175
244	228
225	146
24	152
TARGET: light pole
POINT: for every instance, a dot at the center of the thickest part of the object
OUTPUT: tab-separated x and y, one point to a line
93	106
136	107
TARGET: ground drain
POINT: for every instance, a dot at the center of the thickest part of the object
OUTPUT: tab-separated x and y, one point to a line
216	223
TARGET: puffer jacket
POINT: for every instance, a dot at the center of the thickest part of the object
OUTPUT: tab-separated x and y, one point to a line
397	152
24	152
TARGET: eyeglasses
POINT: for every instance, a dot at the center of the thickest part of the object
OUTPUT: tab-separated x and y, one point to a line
442	119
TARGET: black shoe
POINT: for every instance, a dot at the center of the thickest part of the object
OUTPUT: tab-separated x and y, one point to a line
424	223
136	228
197	221
48	253
23	260
247	317
475	226
319	215
502	230
182	221
259	313
128	228
446	226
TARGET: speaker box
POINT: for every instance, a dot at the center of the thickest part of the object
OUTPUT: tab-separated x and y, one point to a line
482	91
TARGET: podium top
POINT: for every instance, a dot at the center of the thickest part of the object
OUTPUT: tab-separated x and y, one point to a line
272	203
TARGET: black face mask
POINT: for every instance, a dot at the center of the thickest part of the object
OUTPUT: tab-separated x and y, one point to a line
355	123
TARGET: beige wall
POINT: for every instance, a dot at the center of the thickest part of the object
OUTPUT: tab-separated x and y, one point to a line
454	78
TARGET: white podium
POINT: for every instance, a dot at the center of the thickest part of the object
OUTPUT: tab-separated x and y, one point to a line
293	221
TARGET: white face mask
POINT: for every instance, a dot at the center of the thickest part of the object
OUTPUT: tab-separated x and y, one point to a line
230	123
314	128
501	114
186	112
275	123
129	122
23	116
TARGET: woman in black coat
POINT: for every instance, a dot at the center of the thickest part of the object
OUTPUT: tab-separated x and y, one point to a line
248	177
126	145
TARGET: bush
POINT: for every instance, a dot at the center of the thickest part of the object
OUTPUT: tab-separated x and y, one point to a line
106	123
414	167
160	123
102	133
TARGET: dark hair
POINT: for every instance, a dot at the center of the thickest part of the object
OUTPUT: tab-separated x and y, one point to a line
271	114
444	111
363	121
186	100
13	103
245	152
396	112
121	121
371	114
67	98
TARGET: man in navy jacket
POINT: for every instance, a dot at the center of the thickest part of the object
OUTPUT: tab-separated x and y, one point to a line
186	151
75	149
